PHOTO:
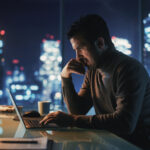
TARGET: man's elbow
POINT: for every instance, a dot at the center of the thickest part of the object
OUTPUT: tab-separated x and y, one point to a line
128	127
125	124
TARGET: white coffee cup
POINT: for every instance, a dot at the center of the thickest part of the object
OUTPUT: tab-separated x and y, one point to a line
43	107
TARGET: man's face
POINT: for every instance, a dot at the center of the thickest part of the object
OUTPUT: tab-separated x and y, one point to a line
84	51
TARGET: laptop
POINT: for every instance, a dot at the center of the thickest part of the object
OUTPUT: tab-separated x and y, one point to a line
28	122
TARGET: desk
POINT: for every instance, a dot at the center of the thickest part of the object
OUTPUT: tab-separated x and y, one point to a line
68	139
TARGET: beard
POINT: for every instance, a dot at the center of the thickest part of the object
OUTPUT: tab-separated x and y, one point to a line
84	61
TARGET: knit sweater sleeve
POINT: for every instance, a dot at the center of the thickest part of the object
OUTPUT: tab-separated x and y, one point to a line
77	103
131	85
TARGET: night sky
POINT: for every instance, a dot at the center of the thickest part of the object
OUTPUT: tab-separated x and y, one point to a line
28	21
26	24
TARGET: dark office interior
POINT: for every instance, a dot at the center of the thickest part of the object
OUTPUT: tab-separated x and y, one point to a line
34	46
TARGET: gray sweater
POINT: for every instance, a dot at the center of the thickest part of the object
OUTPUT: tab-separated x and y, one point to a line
119	89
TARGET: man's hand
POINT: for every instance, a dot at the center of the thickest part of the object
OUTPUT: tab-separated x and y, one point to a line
73	66
60	118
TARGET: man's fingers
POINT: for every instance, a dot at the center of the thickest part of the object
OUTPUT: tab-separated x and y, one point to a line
60	118
51	120
47	117
76	67
76	70
48	120
73	66
75	62
43	120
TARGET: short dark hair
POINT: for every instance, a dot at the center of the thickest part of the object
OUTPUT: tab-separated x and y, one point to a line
91	27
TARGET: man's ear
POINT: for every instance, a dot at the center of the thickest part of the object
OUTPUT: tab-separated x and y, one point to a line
100	42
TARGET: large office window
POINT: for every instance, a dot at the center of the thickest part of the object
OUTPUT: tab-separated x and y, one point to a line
31	29
28	26
146	34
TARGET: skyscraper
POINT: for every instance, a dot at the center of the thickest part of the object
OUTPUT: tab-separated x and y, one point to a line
49	72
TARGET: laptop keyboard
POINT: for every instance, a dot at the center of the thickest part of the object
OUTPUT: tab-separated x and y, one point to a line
35	123
32	123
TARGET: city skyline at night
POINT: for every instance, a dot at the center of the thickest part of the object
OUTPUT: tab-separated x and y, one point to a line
27	22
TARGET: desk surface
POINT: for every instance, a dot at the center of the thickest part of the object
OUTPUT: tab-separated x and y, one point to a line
67	139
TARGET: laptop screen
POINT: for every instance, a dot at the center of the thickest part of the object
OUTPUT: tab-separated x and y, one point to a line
15	106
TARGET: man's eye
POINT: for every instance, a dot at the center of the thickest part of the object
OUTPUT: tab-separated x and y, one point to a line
79	49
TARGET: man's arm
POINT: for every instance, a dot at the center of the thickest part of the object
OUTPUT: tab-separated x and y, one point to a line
130	83
77	103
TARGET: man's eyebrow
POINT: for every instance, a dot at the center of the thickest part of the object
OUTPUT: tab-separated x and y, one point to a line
78	47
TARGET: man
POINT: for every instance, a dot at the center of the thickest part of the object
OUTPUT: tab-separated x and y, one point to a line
116	85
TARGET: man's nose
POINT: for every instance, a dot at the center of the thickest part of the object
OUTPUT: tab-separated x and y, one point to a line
77	55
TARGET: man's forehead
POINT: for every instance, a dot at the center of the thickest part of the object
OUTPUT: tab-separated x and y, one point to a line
74	42
77	41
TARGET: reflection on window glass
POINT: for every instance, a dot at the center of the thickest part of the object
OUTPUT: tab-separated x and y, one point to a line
122	45
146	49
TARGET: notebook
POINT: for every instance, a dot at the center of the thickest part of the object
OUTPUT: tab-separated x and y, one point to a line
29	123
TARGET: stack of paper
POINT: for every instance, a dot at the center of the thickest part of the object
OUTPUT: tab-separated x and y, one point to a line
24	143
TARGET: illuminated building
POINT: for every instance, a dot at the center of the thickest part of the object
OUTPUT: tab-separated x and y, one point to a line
2	61
122	45
146	49
25	93
49	72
